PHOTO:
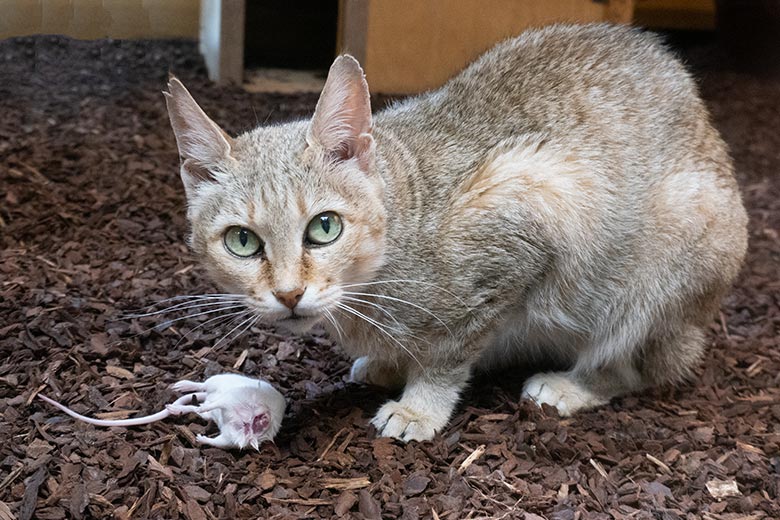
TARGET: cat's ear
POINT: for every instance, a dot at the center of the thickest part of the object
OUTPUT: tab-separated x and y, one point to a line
342	120
202	143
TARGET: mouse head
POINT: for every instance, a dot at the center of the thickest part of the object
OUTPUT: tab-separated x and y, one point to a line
255	418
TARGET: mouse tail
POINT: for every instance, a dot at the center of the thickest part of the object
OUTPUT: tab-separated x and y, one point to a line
136	421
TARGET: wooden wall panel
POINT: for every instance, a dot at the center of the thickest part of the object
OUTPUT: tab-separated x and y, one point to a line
412	45
89	19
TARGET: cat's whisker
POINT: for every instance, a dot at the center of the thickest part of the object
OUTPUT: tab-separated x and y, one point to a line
329	316
223	317
182	306
397	328
388	313
423	282
371	321
150	310
252	321
399	300
381	308
226	336
188	297
237	317
168	323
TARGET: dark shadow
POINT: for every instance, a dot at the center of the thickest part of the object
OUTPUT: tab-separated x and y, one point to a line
291	35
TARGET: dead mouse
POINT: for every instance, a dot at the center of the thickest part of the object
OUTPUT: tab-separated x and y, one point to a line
247	411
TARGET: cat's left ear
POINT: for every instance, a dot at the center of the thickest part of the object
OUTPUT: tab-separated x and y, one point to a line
342	120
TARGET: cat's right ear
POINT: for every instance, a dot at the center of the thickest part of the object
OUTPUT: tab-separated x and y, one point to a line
202	143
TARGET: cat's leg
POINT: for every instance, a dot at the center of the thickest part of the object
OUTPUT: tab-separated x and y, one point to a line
428	400
377	372
563	390
661	359
582	388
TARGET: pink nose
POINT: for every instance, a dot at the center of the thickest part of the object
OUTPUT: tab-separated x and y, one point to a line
290	298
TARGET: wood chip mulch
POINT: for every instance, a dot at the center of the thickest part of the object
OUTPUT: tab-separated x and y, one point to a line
92	227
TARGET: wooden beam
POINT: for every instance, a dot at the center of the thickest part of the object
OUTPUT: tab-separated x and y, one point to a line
353	28
222	39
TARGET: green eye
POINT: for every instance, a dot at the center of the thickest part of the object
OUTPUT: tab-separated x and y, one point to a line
242	242
324	228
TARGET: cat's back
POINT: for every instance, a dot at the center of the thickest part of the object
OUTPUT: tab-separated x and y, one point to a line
565	65
596	85
608	102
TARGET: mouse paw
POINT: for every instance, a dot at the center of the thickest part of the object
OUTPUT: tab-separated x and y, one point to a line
220	441
404	423
187	386
558	389
180	409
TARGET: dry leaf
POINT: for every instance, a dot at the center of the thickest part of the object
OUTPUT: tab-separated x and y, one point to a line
119	372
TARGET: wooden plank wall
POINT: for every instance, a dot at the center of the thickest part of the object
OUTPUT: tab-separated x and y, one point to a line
411	45
90	19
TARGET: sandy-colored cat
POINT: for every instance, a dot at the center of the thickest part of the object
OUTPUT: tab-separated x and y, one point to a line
563	198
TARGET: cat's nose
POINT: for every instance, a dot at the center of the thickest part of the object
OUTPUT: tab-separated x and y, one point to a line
290	298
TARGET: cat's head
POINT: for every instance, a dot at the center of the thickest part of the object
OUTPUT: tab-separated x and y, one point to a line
288	214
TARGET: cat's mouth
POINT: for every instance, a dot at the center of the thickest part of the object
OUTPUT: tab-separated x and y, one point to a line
294	321
297	323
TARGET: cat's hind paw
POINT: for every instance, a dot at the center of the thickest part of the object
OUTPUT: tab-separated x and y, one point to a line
558	389
396	420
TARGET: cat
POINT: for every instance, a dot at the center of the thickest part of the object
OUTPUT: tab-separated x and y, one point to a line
564	198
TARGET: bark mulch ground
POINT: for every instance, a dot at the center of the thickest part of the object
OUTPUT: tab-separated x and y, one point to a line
93	227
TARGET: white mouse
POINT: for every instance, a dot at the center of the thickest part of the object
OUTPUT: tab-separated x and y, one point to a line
247	411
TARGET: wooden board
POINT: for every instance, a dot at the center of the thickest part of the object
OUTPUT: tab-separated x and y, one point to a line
411	45
222	39
89	19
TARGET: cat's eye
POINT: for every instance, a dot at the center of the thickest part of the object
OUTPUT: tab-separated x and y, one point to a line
323	229
242	242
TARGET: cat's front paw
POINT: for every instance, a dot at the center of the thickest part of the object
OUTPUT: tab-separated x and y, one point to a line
558	389
405	423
